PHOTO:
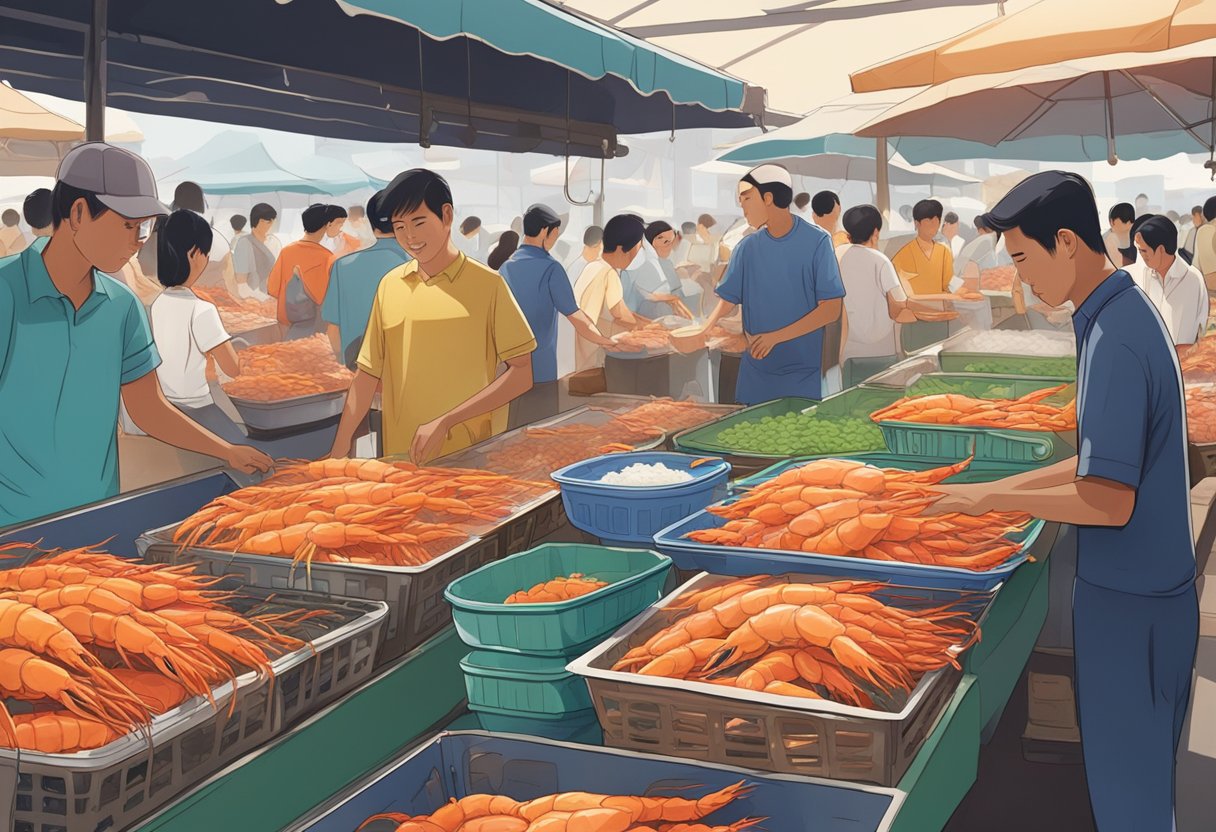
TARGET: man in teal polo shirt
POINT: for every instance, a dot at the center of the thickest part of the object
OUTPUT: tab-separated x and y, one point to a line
76	340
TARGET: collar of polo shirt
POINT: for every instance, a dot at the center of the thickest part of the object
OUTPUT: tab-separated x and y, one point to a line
38	279
451	273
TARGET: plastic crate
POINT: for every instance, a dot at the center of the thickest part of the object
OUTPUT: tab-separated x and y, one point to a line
454	765
982	385
635	579
624	515
767	732
738	561
955	442
516	682
580	726
1022	365
668	373
414	594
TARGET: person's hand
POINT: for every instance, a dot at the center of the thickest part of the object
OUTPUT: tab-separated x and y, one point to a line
678	308
247	460
761	345
243	291
959	499
428	440
340	451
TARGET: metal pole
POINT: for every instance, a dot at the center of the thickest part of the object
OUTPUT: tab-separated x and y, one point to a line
95	74
882	185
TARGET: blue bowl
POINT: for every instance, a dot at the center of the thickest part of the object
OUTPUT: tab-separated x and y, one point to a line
630	515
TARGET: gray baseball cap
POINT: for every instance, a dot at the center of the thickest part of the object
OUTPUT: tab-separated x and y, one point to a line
123	182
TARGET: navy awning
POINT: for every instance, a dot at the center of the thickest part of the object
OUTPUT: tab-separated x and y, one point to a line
308	67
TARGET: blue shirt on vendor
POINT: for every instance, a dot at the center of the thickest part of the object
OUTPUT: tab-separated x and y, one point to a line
353	281
1130	430
61	372
778	281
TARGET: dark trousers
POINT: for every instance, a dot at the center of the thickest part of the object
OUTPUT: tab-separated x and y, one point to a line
1135	655
539	403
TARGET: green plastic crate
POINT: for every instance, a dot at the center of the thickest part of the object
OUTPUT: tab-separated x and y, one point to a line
483	621
1009	365
982	385
531	684
950	442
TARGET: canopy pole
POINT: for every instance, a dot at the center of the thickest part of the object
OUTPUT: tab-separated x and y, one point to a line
882	187
1112	157
95	73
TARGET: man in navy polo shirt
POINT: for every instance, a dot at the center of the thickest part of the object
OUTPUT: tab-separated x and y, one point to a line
1135	610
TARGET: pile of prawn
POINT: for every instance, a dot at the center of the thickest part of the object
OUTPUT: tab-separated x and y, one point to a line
557	589
1026	413
651	336
846	508
273	372
1198	361
97	645
536	452
575	812
358	511
805	640
239	314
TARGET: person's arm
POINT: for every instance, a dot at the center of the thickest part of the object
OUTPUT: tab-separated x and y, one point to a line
587	329
225	356
825	313
722	310
513	383
624	315
354	411
155	416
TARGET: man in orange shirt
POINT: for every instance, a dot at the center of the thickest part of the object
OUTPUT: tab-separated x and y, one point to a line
300	276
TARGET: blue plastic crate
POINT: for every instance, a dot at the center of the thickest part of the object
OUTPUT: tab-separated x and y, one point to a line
630	515
737	561
454	765
516	682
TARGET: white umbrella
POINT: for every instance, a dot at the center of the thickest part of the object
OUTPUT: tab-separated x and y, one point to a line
840	167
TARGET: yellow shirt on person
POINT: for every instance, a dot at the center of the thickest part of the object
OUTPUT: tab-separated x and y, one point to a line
597	290
929	275
434	342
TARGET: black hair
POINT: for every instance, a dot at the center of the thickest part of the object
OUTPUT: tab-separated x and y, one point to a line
350	212
470	225
950	217
414	188
189	195
783	195
375	215
1128	255
37	208
10	217
1198	209
1139	221
655	229
623	232
688	228
802	200
824	202
707	220
237	221
260	213
1209	208
314	218
539	219
1159	231
334	212
860	222
1123	212
1044	204
176	236
980	225
593	236
927	209
507	243
65	196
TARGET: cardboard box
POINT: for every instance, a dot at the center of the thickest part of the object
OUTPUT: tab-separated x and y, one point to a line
1052	707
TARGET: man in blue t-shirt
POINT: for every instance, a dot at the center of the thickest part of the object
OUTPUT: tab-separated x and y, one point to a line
1135	610
543	290
788	281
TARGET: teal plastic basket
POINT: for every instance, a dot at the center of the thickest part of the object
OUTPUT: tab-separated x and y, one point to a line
950	442
516	682
635	581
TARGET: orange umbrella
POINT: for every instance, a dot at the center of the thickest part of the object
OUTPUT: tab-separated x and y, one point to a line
1049	32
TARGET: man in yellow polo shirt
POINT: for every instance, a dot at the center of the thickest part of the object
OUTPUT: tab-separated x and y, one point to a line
440	327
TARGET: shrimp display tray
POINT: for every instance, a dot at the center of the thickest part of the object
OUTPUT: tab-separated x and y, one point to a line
114	786
414	594
820	738
284	414
955	442
741	561
457	764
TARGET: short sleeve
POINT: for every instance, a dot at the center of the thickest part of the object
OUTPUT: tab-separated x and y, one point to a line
731	287
825	271
560	290
331	307
888	281
509	330
207	328
8	319
139	355
614	290
242	256
371	354
1113	415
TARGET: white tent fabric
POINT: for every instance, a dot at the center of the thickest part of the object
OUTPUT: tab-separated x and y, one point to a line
838	167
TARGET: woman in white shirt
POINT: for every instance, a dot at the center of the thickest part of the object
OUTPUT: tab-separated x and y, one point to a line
188	329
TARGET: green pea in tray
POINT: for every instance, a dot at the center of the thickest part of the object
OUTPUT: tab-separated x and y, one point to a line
1018	365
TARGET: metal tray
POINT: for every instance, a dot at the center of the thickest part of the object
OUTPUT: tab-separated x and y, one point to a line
289	413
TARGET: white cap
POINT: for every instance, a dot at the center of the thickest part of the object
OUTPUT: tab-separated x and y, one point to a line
770	175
